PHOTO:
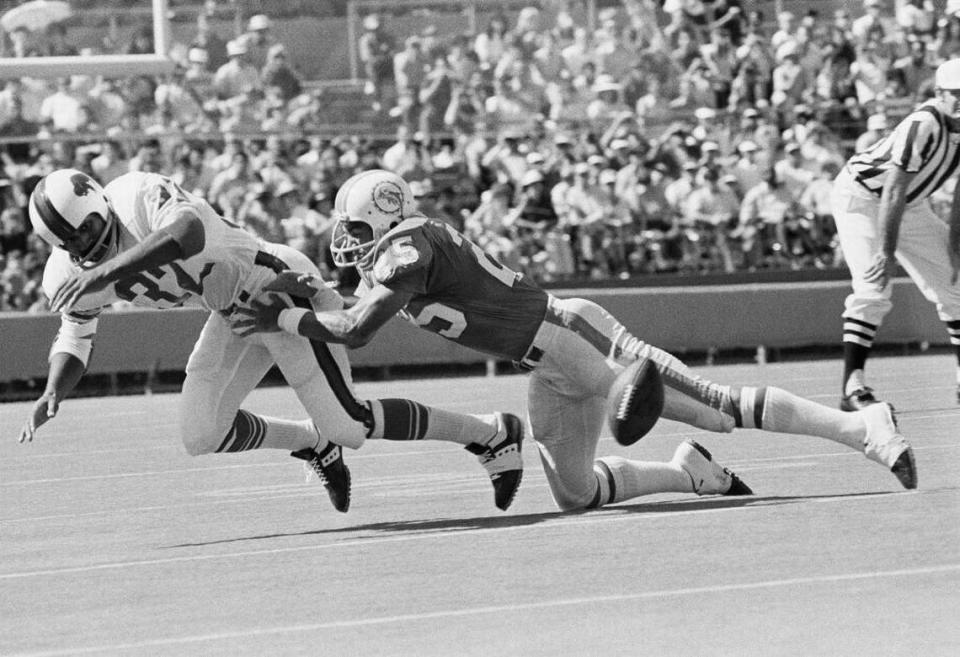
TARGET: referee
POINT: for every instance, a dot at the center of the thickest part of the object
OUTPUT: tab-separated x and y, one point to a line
880	203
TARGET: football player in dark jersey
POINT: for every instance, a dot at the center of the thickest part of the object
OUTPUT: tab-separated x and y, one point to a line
434	277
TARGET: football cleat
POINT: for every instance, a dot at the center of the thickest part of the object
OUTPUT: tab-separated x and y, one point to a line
333	473
858	400
502	459
886	445
708	476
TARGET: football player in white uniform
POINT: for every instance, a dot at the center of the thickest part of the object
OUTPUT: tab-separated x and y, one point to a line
145	240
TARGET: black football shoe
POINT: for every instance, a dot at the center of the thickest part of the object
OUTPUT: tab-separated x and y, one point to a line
333	473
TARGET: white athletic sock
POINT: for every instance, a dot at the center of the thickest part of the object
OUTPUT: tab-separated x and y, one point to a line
461	428
785	412
854	382
292	435
621	479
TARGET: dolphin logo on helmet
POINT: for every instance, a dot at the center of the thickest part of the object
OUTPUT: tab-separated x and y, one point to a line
367	206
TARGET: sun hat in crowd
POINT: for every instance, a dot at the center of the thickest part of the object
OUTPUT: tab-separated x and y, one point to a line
948	75
258	22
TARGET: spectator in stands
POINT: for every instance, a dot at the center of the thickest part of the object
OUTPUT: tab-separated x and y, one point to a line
229	187
607	103
719	57
746	169
711	209
490	44
814	204
237	76
209	42
409	73
376	56
877	125
259	40
436	93
109	162
60	111
786	30
259	213
869	73
278	74
761	229
405	156
915	70
870	27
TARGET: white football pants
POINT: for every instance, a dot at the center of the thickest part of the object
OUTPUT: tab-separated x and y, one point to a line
584	348
921	250
224	368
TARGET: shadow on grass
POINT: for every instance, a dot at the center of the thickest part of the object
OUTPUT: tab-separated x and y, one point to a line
443	525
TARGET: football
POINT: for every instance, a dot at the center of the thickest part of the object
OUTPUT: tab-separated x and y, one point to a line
635	401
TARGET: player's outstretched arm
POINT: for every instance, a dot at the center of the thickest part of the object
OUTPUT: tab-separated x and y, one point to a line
296	284
354	326
65	370
183	238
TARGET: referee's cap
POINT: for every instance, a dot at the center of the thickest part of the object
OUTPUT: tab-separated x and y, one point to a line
948	75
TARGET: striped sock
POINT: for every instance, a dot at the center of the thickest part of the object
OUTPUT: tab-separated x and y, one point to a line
252	431
404	419
953	329
784	412
620	479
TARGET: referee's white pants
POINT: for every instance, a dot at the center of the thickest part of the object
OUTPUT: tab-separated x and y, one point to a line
224	368
582	354
921	250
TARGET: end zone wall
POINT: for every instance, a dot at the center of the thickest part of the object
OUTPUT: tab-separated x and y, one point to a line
679	319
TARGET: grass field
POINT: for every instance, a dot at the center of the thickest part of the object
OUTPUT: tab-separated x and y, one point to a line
114	542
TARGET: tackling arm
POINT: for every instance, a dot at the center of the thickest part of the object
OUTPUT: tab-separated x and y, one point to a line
354	326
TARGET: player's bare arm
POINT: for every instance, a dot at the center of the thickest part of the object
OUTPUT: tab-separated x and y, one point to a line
354	326
183	238
893	200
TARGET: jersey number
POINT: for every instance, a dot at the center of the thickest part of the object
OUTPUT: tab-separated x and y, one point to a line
149	284
442	320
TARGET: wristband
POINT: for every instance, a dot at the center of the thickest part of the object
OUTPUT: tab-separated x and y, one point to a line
289	319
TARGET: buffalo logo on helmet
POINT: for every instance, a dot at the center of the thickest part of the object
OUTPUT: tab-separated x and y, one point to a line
81	184
388	197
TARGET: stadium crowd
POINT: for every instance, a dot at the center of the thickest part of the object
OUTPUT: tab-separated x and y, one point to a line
675	136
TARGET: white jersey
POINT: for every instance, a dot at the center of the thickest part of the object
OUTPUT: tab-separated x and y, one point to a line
144	204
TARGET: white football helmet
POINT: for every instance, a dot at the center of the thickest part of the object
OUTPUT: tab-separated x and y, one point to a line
379	199
61	202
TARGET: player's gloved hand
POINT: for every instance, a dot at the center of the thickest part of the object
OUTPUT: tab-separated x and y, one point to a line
881	270
43	409
260	317
83	282
295	284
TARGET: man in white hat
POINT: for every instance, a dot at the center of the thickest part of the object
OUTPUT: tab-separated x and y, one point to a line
237	76
883	218
258	40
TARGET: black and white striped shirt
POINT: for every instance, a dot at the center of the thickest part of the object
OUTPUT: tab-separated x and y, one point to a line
920	144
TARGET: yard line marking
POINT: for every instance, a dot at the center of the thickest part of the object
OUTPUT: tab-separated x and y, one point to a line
559	519
501	609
